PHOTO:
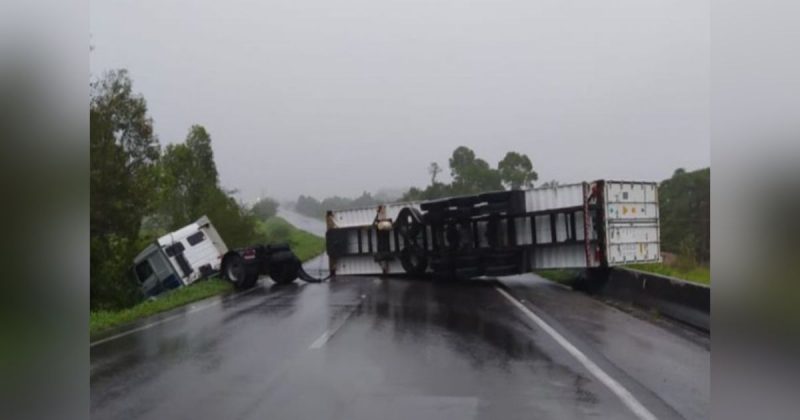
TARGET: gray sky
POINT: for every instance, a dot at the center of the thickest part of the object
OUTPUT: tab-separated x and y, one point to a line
329	97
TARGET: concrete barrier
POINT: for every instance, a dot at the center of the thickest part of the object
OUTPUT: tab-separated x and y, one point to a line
675	298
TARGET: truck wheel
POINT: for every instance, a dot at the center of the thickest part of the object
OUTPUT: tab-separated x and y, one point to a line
287	272
235	271
250	278
233	268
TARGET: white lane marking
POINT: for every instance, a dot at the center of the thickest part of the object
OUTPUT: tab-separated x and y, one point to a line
623	394
323	339
319	342
169	318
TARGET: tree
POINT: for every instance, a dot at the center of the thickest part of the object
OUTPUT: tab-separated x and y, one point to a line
190	189
122	181
123	154
516	171
233	221
472	175
199	143
434	170
685	210
308	206
188	175
265	208
460	162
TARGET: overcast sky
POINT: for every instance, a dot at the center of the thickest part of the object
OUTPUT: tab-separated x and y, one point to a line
329	97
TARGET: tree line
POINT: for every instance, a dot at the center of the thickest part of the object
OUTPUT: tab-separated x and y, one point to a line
141	190
470	175
473	175
685	214
312	207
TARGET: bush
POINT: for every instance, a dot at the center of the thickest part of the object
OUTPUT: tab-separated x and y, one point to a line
305	245
265	208
112	286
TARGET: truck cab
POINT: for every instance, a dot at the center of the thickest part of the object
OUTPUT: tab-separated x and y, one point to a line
154	272
180	258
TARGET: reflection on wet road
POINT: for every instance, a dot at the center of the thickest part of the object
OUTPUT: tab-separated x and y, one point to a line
364	348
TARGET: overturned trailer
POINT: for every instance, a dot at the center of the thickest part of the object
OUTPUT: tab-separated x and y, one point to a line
591	225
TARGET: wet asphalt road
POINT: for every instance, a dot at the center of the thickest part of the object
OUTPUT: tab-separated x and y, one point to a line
367	347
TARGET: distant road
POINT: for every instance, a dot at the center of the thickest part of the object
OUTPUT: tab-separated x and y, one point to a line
308	224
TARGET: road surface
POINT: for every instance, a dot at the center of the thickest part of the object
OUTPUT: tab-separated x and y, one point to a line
393	348
308	224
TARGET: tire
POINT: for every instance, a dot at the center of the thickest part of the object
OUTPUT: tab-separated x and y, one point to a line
287	272
413	260
238	273
409	223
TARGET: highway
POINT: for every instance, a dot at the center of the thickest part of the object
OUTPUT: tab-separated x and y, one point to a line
398	348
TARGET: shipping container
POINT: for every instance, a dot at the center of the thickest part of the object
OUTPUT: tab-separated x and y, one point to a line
583	225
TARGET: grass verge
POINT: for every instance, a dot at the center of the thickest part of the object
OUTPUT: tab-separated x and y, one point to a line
697	274
103	320
305	245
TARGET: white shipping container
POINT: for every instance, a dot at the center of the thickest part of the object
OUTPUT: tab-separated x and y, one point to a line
549	198
630	222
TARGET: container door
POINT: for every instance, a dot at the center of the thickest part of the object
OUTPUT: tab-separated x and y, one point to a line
632	229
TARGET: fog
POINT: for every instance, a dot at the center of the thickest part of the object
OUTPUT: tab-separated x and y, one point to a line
330	97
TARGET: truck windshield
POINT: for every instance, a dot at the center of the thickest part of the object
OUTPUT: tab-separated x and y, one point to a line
143	271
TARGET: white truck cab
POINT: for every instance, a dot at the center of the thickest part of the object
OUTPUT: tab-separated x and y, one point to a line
180	258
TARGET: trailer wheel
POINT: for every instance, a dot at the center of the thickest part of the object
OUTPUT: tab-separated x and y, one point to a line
413	260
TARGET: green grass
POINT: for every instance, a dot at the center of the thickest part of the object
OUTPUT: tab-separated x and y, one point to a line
566	277
305	245
697	273
103	320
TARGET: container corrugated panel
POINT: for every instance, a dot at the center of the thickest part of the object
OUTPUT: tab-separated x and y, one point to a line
543	233
361	265
550	198
365	216
632	228
560	256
